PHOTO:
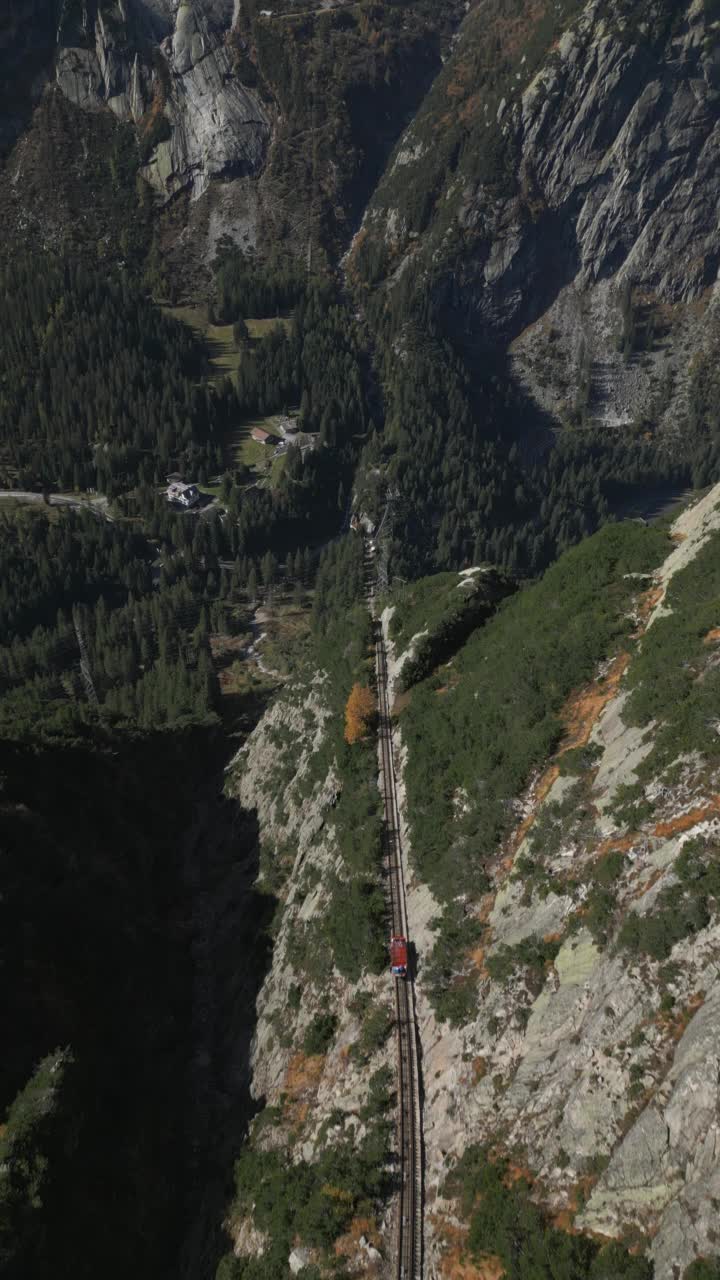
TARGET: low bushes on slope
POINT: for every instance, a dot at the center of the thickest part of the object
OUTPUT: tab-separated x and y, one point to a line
312	1201
675	677
421	605
353	927
703	1269
444	611
680	909
505	1223
476	732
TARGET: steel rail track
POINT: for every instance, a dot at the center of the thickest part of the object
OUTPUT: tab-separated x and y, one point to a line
410	1221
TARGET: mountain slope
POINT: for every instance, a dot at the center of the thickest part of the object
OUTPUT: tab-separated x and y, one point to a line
576	949
262	125
556	191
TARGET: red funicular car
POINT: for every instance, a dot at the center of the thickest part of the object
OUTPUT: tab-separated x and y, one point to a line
398	957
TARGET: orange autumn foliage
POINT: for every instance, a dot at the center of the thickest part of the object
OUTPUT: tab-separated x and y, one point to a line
359	713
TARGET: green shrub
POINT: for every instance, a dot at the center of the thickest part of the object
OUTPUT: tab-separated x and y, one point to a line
698	868
672	919
609	868
268	1118
375	1029
630	807
579	759
380	1095
230	1268
451	981
703	1269
532	953
320	1033
600	910
506	1223
532	874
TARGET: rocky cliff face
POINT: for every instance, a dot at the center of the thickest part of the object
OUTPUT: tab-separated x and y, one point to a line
616	140
598	1072
556	185
575	200
316	1096
206	86
124	120
169	72
589	1057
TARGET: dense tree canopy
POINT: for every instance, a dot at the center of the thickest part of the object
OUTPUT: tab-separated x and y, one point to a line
99	389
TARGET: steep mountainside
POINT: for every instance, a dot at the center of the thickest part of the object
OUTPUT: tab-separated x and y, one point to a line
313	1186
556	190
421	299
572	934
250	123
521	202
551	185
27	37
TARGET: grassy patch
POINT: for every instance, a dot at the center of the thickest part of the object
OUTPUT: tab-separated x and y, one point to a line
252	452
240	448
261	328
217	339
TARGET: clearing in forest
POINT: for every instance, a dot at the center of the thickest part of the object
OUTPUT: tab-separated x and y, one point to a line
218	339
240	448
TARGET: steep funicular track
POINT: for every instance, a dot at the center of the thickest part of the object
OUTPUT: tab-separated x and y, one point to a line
410	1221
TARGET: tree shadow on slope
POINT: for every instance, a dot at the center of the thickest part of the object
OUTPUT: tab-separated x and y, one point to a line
133	939
27	45
232	952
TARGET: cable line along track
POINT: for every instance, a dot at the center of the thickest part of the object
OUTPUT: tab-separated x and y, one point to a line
410	1220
